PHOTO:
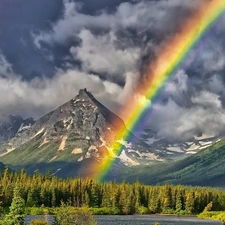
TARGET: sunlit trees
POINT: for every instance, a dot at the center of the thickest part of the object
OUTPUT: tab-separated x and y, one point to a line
17	210
122	198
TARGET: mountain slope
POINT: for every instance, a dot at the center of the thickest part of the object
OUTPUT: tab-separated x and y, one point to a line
11	125
206	168
80	131
178	149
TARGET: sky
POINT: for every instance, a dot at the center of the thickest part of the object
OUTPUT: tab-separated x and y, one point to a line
50	49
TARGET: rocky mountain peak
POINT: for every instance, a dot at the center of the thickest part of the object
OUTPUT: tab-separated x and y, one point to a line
83	93
83	117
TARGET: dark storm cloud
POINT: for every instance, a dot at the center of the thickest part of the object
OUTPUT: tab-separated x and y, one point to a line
91	7
106	46
18	18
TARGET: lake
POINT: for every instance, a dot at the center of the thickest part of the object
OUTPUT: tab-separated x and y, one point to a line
144	220
150	219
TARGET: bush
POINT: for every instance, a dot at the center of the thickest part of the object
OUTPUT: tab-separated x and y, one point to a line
142	210
39	210
67	215
38	222
36	211
105	211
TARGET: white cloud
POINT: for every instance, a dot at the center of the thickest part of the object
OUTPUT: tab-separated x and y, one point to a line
206	115
100	54
208	100
39	96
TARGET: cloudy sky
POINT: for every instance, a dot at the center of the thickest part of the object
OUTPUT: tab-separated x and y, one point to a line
49	49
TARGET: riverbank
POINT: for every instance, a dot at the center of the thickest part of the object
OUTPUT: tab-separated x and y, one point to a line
115	213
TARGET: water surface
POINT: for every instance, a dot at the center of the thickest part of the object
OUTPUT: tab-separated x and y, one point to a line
150	219
143	220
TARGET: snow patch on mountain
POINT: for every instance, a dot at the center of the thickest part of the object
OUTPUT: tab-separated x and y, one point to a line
127	160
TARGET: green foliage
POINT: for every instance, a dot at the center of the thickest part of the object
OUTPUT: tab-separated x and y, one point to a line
38	222
155	223
35	210
212	215
105	211
167	198
190	202
67	215
47	191
17	210
208	207
142	210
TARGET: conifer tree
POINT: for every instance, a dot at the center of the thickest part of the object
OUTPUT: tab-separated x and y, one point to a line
178	201
17	210
208	207
190	201
167	197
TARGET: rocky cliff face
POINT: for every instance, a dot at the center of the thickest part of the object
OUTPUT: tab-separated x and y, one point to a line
82	117
11	125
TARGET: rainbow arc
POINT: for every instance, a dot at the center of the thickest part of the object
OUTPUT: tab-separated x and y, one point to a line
161	70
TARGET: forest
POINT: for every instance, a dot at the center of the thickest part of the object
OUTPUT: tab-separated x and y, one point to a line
109	197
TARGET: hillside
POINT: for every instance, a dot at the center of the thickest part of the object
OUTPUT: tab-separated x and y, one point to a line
206	168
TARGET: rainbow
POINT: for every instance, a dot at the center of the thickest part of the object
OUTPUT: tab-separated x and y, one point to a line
160	71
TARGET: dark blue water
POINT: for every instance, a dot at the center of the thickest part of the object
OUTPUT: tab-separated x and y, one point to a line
142	220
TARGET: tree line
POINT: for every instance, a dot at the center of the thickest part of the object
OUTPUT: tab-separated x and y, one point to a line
49	191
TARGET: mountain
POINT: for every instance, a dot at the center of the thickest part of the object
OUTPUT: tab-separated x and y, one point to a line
78	134
75	134
205	168
176	149
11	125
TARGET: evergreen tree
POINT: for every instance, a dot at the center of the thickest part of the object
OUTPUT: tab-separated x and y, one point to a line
190	201
179	205
208	207
167	197
17	210
153	203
